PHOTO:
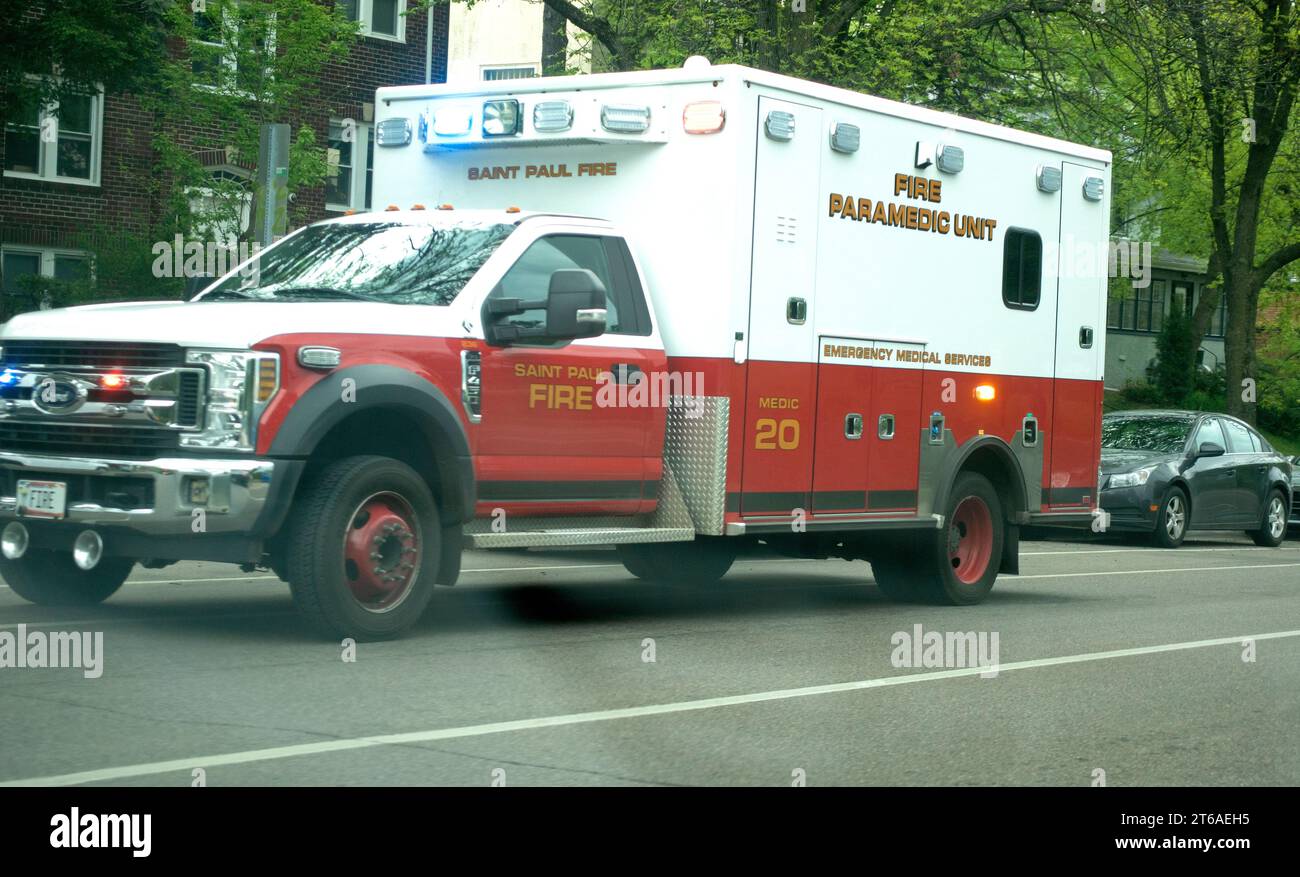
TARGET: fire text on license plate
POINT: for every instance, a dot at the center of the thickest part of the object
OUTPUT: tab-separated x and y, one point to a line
42	499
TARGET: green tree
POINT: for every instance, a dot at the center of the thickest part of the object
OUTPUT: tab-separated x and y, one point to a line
237	66
55	49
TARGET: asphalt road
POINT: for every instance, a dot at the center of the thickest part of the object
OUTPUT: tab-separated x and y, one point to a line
537	670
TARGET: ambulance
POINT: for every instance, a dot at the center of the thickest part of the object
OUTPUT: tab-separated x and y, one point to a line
683	313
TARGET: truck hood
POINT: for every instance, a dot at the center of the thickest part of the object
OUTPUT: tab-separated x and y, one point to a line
231	324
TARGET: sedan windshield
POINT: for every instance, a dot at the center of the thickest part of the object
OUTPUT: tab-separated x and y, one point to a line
1161	435
374	261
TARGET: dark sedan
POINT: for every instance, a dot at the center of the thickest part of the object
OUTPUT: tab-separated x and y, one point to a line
1167	472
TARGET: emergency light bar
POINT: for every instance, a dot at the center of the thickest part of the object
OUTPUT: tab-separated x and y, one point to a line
495	122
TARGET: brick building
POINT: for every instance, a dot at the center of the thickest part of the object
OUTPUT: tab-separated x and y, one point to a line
68	196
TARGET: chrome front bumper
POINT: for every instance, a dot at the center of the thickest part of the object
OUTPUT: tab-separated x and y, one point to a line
238	491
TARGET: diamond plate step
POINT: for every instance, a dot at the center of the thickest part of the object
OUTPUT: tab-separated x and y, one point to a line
578	536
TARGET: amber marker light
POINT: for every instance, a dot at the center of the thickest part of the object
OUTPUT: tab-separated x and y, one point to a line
985	392
704	117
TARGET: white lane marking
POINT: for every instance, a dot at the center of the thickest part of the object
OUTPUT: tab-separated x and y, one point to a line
1140	572
1152	550
326	746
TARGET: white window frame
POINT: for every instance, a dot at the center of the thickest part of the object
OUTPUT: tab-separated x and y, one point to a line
49	152
201	193
488	68
47	256
361	148
366	16
230	54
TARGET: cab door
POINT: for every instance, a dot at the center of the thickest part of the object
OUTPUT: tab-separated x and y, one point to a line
560	430
781	407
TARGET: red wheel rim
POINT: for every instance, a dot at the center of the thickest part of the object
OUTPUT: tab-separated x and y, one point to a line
381	551
970	540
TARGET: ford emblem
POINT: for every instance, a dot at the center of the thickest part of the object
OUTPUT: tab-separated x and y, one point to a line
54	395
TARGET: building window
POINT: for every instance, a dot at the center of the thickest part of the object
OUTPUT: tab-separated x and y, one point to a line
22	269
232	48
1022	269
61	142
491	74
351	146
379	18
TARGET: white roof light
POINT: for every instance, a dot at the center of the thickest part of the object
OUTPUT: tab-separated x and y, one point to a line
845	137
393	132
1047	178
950	159
779	125
552	115
1093	187
625	119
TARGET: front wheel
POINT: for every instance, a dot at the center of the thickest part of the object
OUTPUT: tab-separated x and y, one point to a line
1171	521
701	562
1272	527
364	548
51	578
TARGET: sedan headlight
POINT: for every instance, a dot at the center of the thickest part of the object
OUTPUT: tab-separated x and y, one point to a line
240	385
1136	478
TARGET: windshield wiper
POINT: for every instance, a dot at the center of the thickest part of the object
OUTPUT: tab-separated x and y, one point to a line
233	293
325	291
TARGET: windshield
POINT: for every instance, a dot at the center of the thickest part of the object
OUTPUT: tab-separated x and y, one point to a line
374	261
1163	435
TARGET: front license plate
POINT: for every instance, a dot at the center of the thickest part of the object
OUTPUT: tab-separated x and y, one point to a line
42	499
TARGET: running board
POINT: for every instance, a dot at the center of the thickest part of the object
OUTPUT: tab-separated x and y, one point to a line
577	536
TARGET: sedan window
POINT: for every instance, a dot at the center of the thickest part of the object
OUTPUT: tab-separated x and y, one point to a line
1210	431
1162	435
1239	436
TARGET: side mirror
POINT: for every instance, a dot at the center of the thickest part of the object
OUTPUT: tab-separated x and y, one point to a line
574	306
1209	449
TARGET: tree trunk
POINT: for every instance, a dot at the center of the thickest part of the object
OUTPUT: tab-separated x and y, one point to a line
1239	343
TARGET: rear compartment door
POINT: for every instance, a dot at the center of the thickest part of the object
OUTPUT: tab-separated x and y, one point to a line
1076	389
781	406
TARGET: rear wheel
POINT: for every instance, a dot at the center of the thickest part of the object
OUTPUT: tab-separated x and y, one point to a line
1171	521
959	565
701	562
51	578
364	548
1272	528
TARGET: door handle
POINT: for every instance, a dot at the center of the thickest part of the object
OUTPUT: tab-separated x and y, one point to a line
1085	336
853	426
796	311
626	373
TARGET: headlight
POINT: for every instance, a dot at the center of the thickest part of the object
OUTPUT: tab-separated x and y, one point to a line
240	385
1135	478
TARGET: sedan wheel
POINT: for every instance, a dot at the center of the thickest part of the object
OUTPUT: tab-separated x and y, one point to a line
1171	522
1272	529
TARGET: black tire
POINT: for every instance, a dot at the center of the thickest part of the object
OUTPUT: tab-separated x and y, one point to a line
701	562
51	578
345	505
958	566
1271	531
896	578
1168	532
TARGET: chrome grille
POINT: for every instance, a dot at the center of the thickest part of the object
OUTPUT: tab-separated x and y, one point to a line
90	354
135	442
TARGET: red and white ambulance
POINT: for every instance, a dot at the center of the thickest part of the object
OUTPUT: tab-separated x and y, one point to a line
678	312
